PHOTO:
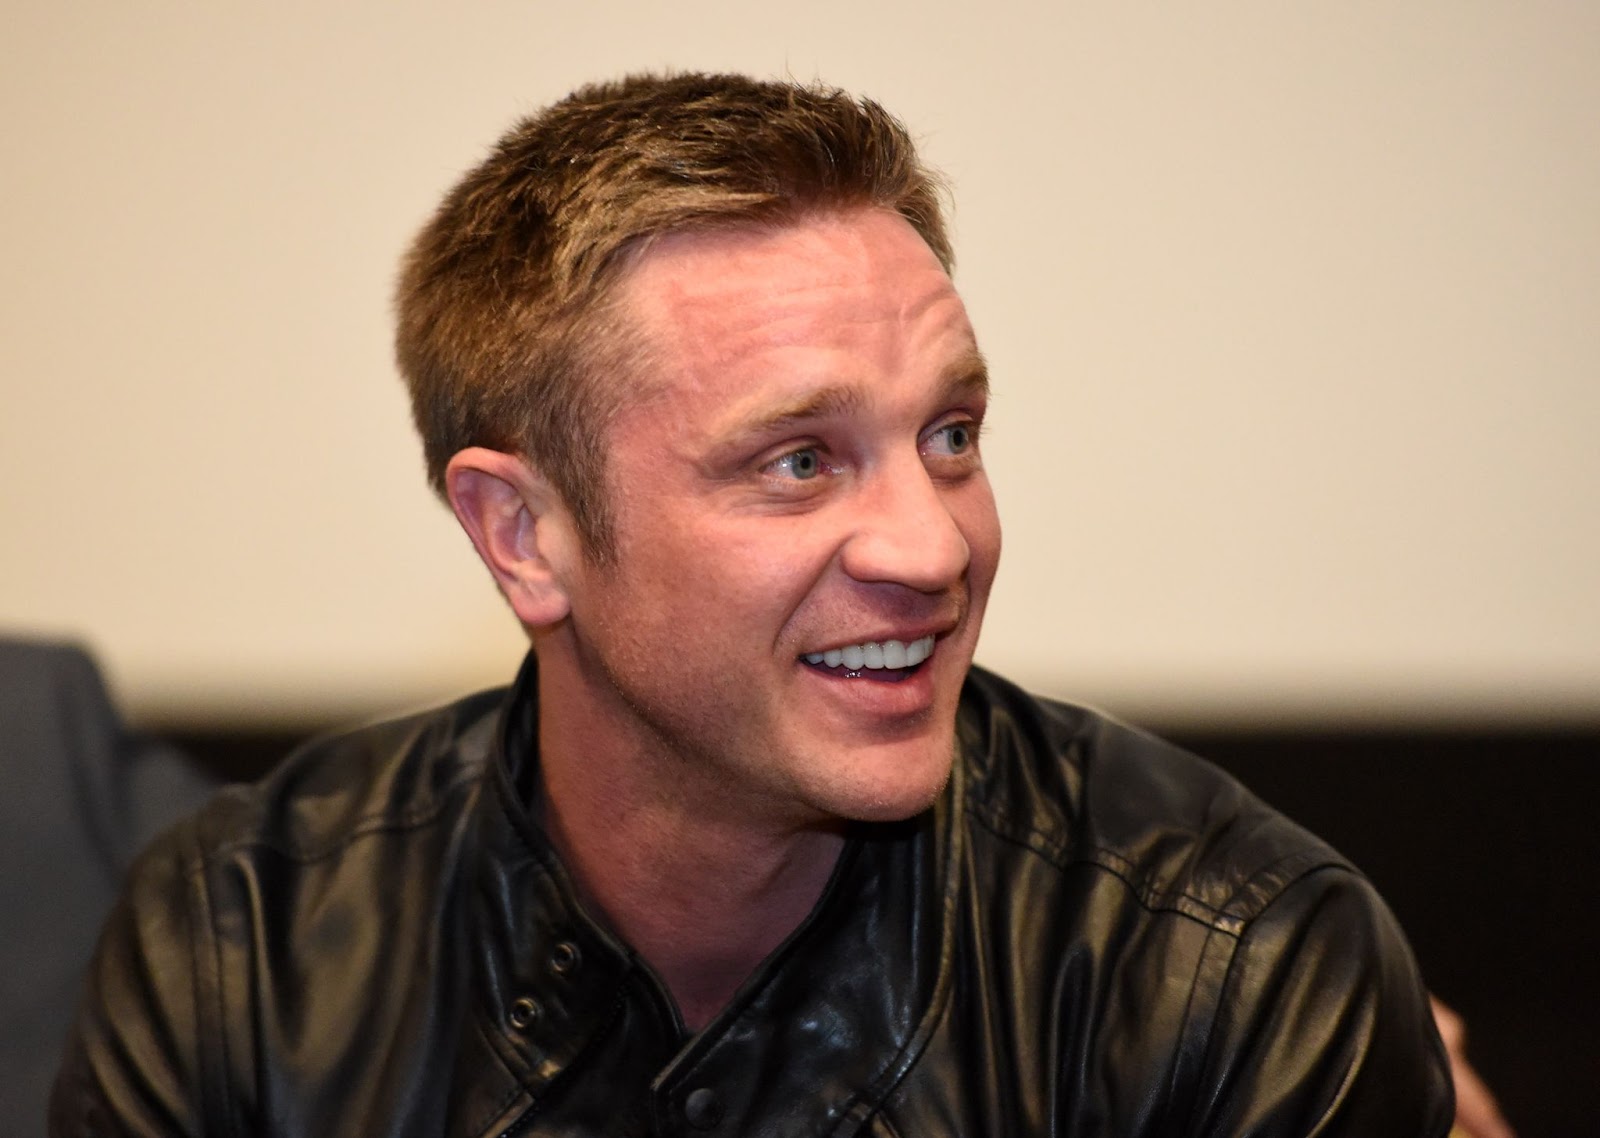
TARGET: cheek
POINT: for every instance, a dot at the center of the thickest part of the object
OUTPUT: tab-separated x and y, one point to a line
771	559
716	594
979	522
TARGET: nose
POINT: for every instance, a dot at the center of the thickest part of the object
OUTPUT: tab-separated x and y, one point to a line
906	532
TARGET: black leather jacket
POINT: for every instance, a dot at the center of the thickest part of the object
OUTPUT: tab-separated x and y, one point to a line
1091	934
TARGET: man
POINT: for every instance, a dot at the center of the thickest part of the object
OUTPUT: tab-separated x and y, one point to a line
749	848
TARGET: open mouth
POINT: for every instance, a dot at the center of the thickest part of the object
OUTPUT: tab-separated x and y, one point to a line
887	661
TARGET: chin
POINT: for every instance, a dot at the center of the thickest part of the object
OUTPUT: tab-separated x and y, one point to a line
894	787
893	810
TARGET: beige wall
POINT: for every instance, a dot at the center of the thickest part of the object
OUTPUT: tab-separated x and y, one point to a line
1294	311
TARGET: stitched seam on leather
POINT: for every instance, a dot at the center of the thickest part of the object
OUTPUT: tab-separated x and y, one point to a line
370	824
1209	1003
1266	882
1223	987
865	1102
215	1092
1150	896
1283	873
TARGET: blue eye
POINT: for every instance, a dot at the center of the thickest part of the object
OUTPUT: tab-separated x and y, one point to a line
955	438
801	464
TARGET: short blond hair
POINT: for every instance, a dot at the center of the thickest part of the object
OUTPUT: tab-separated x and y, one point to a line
506	337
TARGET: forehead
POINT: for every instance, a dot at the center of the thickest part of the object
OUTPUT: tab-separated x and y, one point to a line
747	315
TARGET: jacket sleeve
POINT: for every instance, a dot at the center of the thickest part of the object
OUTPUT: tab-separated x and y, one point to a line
132	1064
1322	1025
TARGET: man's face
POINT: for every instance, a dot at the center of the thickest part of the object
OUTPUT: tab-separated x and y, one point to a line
806	536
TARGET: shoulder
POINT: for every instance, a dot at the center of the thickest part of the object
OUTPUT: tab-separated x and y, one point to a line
269	847
1233	949
1081	789
272	889
390	776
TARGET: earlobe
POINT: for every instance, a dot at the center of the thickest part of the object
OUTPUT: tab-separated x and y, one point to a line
519	526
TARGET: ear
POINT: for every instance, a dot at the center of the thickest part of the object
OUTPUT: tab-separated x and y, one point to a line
520	527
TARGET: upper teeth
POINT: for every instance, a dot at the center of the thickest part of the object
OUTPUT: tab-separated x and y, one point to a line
873	654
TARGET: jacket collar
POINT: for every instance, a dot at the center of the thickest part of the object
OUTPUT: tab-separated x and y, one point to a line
817	1036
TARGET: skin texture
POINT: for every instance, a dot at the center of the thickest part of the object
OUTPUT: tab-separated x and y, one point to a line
1477	1113
799	471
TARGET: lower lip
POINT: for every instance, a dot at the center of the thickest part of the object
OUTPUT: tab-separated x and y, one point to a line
877	675
882	691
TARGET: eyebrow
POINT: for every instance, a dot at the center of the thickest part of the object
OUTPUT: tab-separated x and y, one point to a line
835	400
968	376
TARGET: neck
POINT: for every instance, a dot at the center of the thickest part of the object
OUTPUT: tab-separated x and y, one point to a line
703	891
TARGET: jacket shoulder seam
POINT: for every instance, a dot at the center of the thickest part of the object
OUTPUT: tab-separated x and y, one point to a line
375	822
217	1102
1253	893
